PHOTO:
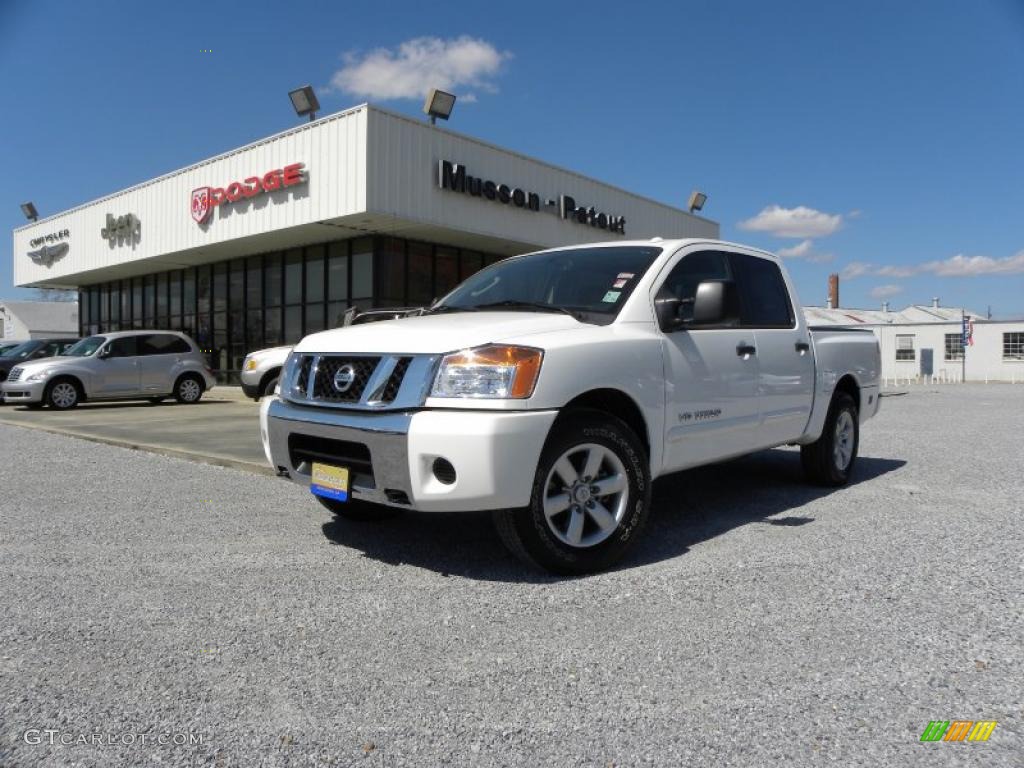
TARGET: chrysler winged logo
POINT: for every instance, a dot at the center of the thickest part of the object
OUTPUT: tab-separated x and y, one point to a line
49	254
344	377
201	206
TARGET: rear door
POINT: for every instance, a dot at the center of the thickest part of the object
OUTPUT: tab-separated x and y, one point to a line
710	377
117	375
160	358
785	361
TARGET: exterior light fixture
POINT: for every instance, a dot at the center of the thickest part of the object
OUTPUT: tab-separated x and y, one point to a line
304	101
697	200
30	211
439	104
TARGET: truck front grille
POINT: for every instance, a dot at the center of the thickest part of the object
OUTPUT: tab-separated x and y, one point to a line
348	380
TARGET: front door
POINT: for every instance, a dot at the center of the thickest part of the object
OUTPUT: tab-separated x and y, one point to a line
711	404
118	373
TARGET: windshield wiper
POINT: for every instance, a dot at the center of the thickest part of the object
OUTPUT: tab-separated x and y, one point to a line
447	308
512	303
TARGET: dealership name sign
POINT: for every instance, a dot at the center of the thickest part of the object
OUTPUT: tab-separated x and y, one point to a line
122	229
455	178
205	199
49	248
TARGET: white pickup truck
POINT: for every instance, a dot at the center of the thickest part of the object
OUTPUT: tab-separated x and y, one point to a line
552	388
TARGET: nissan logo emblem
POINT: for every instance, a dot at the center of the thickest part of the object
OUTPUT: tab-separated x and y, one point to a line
344	377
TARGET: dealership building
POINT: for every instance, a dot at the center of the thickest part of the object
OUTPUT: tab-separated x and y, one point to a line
264	244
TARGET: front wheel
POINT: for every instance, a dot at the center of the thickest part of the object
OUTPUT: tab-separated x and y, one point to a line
356	509
62	395
590	499
188	390
829	459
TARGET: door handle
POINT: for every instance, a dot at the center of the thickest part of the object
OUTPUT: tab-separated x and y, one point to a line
745	349
803	346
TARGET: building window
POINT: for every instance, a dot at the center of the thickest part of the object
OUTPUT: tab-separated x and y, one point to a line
954	346
1013	346
905	348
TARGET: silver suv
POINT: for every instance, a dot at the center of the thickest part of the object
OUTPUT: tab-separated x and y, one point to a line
113	366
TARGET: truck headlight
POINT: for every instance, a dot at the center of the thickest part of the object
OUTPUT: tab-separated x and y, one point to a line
38	375
493	371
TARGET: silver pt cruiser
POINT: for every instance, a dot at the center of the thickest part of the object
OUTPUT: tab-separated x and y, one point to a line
113	366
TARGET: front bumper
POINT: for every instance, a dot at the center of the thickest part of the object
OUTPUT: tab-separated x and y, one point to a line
392	454
22	392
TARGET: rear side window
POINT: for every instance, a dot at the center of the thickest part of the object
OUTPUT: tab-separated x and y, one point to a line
763	296
163	344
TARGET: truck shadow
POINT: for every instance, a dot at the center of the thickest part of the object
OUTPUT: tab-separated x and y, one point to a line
688	507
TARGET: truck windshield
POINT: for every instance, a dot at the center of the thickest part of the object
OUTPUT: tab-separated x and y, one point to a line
592	284
85	347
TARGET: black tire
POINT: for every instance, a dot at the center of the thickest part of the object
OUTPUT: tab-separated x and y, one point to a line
825	460
268	385
362	511
62	394
544	541
156	400
185	392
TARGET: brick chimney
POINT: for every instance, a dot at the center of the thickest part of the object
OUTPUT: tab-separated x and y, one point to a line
833	291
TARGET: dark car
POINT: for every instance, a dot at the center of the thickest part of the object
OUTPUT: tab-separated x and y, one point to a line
34	349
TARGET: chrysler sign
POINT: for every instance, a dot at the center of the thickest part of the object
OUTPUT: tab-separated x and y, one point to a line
455	178
205	199
49	248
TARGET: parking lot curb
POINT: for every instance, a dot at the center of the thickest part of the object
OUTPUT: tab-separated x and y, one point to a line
174	453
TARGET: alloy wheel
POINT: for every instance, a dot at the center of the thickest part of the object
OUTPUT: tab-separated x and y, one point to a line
586	495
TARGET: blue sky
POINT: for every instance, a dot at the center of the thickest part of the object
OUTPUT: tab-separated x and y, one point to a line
883	140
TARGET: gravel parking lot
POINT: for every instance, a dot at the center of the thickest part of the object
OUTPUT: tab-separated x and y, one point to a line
761	621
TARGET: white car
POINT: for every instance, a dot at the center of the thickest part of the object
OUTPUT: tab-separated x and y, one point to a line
552	388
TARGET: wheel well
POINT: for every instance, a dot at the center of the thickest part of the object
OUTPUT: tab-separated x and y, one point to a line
190	375
848	385
68	377
618	404
272	373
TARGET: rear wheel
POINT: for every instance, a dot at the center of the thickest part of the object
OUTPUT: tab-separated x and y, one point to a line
189	389
62	394
356	509
590	499
830	459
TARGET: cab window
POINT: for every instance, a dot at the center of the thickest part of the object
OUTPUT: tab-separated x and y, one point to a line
691	271
764	300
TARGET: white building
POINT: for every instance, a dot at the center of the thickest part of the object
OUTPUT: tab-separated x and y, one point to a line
20	320
924	343
267	243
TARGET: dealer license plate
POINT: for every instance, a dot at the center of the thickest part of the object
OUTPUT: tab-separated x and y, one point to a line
330	482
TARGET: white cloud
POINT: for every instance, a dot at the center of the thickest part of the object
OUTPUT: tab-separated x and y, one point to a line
794	222
886	291
893	271
970	266
798	251
420	64
855	269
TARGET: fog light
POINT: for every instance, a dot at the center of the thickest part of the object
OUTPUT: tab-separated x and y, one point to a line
444	471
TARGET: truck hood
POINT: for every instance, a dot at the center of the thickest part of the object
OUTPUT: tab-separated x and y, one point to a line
432	334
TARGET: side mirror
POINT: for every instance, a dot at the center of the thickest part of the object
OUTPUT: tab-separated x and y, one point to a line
714	303
104	352
666	308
